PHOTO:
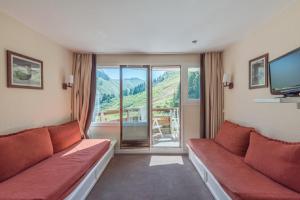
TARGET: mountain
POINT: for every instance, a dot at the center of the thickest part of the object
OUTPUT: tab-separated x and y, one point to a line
101	74
108	86
165	92
132	83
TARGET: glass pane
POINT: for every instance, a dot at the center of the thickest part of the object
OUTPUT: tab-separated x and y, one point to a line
193	83
107	103
135	103
166	107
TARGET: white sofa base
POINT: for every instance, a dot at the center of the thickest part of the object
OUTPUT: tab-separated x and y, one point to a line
88	182
208	178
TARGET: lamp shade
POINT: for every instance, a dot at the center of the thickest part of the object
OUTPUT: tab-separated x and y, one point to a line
226	78
71	79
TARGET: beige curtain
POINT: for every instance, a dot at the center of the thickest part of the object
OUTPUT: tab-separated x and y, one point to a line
214	92
82	67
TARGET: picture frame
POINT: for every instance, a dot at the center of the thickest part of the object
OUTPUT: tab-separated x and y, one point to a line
24	71
258	72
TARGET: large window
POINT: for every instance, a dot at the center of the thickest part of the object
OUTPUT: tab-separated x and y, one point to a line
193	83
107	104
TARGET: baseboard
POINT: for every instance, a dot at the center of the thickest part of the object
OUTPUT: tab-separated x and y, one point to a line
151	151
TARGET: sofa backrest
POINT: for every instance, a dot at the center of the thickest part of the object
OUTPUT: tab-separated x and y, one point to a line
64	135
276	159
22	150
234	138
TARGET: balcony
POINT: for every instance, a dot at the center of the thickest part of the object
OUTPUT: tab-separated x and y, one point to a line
165	124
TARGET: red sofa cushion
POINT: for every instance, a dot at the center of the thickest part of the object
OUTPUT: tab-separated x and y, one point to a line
24	149
238	179
276	159
65	135
234	138
55	177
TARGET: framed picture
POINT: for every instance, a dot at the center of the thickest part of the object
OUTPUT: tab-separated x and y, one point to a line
24	71
258	72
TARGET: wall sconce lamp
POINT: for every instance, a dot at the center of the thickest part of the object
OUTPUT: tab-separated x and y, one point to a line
69	80
227	81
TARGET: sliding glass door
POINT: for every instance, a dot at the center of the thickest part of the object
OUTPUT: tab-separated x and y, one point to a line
134	98
150	104
165	106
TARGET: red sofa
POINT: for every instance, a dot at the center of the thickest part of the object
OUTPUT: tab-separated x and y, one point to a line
46	163
268	169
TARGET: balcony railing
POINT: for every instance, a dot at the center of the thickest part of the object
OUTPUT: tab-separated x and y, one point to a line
135	114
165	121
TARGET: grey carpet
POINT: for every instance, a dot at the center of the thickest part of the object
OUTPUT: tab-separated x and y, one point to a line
130	177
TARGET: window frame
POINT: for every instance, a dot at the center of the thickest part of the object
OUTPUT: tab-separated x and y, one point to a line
184	101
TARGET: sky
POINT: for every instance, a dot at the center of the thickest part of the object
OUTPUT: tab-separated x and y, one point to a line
128	73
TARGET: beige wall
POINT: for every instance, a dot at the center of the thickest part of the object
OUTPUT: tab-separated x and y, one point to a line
190	110
279	36
26	108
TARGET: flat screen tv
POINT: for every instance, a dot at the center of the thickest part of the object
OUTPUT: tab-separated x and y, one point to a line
285	74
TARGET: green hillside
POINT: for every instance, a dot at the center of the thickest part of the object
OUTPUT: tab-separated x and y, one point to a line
131	83
165	92
107	86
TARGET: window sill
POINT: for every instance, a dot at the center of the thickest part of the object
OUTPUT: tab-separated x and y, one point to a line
105	124
192	102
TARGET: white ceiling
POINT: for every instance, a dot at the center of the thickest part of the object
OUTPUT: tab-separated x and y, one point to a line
143	26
